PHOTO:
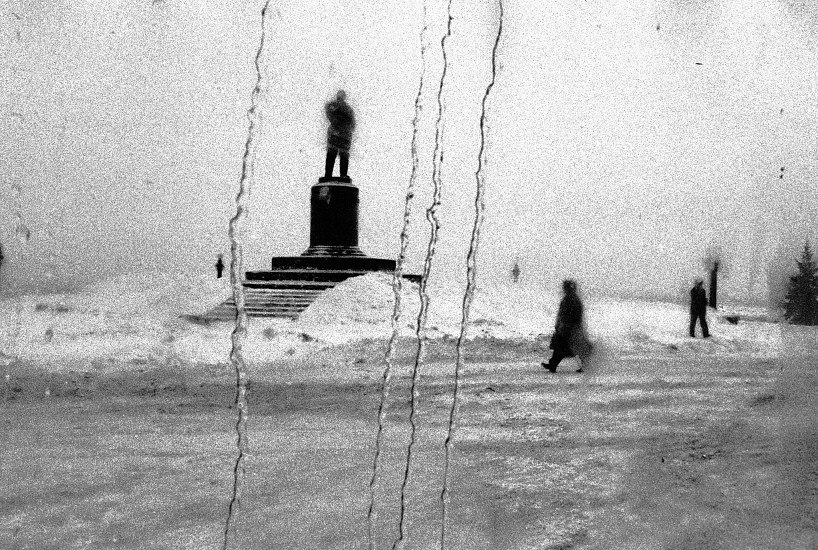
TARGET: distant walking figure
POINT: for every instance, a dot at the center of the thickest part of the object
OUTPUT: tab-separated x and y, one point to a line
219	267
698	309
569	339
515	272
339	134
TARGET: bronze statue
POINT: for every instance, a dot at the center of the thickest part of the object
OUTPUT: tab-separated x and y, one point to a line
339	134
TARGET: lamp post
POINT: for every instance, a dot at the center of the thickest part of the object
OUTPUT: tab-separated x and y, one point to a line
714	285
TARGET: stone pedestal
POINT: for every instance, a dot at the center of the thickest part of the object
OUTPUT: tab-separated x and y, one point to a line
333	238
334	219
333	254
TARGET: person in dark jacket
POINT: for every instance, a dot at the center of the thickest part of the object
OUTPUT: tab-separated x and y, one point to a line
339	134
698	309
569	339
219	267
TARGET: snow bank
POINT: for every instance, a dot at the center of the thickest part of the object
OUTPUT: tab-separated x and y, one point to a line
154	293
638	326
363	306
135	319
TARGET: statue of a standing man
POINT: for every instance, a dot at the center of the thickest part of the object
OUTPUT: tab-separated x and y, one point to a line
339	135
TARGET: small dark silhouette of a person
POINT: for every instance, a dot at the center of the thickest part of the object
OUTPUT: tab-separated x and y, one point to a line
698	309
569	339
219	267
515	272
339	134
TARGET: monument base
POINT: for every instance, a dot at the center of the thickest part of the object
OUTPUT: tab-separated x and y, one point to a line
293	282
325	179
285	264
328	250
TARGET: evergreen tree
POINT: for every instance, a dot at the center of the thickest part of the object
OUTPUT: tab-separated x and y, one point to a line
801	303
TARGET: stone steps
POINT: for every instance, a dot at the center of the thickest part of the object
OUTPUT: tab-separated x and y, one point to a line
269	301
282	293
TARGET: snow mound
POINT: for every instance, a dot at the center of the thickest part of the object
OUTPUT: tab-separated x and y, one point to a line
365	300
639	326
136	320
363	307
155	293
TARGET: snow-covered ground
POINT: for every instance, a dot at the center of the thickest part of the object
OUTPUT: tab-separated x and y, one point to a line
137	319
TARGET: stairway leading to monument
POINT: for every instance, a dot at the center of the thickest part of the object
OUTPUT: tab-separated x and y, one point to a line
284	297
278	299
281	293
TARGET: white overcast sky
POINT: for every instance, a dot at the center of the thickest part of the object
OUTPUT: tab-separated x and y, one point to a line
625	138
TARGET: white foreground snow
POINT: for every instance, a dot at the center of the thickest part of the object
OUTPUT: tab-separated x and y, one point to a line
136	319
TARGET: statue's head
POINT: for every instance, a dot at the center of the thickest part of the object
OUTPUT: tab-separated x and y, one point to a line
569	286
341	95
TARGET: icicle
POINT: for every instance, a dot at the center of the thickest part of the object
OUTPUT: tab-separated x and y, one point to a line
434	223
236	267
23	235
397	283
479	207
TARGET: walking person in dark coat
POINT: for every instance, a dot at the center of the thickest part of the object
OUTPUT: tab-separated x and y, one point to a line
339	134
219	267
569	339
698	309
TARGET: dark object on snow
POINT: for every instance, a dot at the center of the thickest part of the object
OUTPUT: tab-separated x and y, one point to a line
732	319
801	302
339	134
219	267
570	338
698	309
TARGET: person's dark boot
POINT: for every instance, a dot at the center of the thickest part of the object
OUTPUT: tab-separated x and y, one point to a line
549	367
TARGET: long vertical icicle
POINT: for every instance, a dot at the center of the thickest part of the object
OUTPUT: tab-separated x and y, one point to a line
397	283
24	236
236	266
20	229
479	210
434	224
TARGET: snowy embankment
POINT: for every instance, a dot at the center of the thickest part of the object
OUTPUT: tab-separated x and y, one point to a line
136	319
